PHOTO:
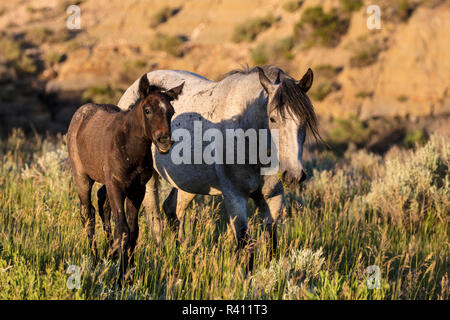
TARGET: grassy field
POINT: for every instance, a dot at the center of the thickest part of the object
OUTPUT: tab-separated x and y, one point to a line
356	211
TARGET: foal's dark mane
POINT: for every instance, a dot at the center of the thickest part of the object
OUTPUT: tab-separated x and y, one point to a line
291	99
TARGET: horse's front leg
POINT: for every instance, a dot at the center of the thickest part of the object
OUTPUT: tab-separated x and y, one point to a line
236	207
269	207
270	204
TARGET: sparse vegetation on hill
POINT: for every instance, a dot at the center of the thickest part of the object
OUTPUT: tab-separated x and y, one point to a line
102	94
162	15
292	6
168	43
249	30
13	56
317	27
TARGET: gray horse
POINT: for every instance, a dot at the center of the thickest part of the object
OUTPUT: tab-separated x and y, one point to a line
258	98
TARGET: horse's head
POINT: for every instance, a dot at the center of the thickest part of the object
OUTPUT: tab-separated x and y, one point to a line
290	111
156	111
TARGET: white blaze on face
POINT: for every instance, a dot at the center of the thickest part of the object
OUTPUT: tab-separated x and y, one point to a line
291	146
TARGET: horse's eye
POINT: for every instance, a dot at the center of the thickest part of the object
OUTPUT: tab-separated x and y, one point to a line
272	119
147	111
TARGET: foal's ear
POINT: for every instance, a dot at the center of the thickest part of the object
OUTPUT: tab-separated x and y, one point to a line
306	81
144	86
175	92
268	86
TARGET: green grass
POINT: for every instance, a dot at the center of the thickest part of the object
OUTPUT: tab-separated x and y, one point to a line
341	222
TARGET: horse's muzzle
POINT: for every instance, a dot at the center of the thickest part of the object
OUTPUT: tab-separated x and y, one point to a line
164	144
293	182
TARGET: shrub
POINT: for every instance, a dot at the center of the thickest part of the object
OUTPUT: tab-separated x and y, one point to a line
349	130
402	98
249	30
319	28
259	55
323	89
169	44
281	48
327	71
412	184
102	94
162	15
351	5
42	34
52	58
365	56
12	54
415	138
292	6
364	94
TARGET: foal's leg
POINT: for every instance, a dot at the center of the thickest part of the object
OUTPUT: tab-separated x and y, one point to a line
133	202
121	229
104	210
87	211
236	207
152	210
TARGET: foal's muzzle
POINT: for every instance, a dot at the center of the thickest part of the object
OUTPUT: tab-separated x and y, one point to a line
164	143
291	181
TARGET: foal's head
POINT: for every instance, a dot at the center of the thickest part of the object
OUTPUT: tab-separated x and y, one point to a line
155	110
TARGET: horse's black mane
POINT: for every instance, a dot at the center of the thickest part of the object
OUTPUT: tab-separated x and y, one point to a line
292	99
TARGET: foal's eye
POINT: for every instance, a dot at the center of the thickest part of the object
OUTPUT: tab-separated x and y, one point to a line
147	111
272	119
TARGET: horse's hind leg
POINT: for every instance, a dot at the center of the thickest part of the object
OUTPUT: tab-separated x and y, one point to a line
133	202
183	201
152	210
104	210
87	211
179	200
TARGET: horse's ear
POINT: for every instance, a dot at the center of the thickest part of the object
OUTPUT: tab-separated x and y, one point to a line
175	92
265	82
144	86
306	81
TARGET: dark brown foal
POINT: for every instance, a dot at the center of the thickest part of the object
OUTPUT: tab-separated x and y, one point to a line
113	147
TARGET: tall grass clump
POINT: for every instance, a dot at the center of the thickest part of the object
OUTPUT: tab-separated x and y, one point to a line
414	185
